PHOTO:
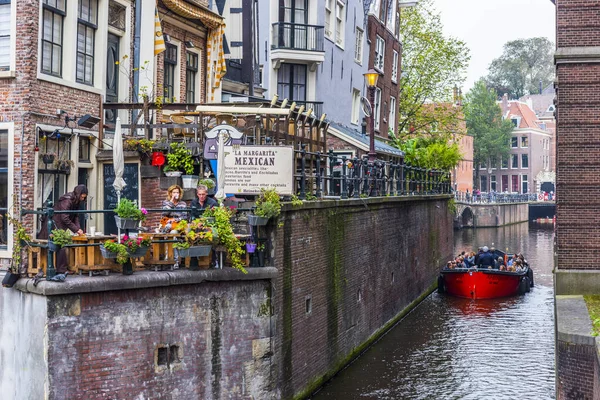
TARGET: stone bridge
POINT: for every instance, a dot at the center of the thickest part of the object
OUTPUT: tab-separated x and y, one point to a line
481	215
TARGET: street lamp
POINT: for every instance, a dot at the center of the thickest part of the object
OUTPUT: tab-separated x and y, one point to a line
371	77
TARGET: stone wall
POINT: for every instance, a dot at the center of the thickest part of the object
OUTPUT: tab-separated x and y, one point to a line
348	269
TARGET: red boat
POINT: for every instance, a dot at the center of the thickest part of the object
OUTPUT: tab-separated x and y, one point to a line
483	283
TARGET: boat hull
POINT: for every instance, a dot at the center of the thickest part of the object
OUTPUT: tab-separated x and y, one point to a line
481	284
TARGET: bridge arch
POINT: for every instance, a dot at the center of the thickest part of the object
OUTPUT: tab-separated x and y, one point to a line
467	218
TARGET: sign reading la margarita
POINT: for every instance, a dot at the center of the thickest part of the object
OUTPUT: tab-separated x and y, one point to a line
251	168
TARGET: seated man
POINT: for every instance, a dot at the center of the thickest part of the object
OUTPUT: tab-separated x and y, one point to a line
202	202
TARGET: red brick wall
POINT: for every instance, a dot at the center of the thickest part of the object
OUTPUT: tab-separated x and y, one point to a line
577	23
390	251
577	370
102	345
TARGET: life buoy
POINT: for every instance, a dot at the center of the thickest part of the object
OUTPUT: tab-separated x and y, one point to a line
540	196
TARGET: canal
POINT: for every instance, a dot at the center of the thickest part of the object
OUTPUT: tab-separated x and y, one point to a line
451	348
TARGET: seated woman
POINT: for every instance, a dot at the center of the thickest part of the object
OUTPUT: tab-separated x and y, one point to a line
500	263
471	259
171	216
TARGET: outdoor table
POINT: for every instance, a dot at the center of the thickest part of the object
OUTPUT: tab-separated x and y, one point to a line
37	258
89	258
162	253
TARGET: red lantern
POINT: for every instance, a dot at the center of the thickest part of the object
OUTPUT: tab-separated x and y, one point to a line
158	159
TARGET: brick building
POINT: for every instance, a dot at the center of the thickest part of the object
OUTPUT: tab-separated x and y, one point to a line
58	63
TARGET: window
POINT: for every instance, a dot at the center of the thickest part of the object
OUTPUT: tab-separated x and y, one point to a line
524	141
514	142
377	108
494	163
84	149
5	35
483	164
514	161
4	189
358	46
516	121
328	18
504	163
542	126
524	161
379	53
291	82
191	72
514	187
169	77
54	13
339	23
355	106
395	67
392	118
524	184
493	182
87	20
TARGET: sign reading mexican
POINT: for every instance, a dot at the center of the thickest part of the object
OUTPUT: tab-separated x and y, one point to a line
251	168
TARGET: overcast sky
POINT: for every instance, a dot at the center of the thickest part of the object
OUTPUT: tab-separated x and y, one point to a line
485	25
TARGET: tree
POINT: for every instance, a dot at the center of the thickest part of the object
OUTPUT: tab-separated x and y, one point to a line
521	67
491	133
432	66
431	153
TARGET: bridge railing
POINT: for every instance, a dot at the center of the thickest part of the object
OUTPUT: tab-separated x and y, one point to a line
495	197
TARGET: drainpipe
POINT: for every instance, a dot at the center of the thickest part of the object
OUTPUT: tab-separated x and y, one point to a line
136	49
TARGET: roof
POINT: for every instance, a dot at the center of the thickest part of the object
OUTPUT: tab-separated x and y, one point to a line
345	133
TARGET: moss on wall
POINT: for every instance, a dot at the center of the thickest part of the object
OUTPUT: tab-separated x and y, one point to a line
336	223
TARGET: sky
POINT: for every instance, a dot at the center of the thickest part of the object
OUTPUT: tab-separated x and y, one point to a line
486	25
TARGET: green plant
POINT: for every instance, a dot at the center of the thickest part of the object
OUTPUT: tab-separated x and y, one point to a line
119	248
209	183
296	202
310	197
144	146
268	204
180	159
260	247
63	164
196	233
128	209
22	238
61	237
234	247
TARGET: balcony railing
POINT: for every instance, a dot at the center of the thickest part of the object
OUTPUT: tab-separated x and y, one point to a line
297	36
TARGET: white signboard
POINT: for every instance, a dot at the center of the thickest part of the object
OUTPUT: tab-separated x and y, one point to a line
251	168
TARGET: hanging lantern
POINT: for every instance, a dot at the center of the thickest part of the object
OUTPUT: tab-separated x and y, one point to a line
158	159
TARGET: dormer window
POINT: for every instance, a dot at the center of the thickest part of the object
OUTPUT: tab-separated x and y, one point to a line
516	121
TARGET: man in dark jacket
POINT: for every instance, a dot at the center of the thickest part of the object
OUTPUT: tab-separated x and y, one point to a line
67	202
486	259
202	202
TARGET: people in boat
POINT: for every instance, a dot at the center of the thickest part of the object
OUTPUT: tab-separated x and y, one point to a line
486	259
500	263
471	259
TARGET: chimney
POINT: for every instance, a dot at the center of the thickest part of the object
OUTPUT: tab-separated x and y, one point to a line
504	103
541	86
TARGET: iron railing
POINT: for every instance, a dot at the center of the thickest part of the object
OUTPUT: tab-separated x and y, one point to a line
329	175
495	197
287	35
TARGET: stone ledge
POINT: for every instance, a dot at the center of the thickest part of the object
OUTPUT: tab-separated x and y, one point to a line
140	279
364	202
566	55
576	282
573	321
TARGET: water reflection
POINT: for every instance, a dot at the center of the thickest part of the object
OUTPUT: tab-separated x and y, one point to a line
451	348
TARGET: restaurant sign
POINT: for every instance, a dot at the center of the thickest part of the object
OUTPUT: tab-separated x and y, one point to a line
251	168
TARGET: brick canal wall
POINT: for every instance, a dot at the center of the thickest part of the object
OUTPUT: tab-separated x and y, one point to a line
347	269
578	193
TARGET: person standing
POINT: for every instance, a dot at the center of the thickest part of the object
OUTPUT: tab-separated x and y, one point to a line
202	202
68	202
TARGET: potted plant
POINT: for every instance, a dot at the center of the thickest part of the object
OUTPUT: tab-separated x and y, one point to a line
22	239
48	158
64	165
260	252
197	239
268	205
59	238
128	214
250	247
227	237
128	248
179	159
209	183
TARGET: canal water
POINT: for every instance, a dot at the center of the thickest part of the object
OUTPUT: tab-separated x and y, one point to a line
451	348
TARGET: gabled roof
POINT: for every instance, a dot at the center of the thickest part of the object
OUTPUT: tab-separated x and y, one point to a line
360	140
521	110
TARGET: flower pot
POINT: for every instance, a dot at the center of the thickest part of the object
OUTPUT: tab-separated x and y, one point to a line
126	223
173	174
189	181
250	247
10	279
255	220
261	258
195	251
140	252
107	254
167	181
48	158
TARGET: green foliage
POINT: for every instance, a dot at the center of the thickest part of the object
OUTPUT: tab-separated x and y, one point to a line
195	233
61	237
452	206
128	209
144	146
234	247
268	204
118	248
296	202
180	159
593	305
523	63
491	134
21	237
432	65
310	197
209	183
431	153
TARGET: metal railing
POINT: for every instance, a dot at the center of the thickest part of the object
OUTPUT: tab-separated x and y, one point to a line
287	35
495	197
329	175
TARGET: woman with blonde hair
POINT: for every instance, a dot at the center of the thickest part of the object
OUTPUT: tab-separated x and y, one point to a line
171	204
